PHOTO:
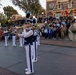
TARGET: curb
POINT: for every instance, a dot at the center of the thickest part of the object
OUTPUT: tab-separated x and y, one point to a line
59	43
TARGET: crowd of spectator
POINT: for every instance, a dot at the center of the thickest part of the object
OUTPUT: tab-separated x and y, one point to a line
56	27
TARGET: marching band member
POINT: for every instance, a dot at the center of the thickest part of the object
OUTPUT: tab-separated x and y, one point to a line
21	39
31	19
38	36
6	36
34	21
27	17
14	36
28	40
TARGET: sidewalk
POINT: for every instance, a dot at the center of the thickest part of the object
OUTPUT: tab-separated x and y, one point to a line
4	71
65	43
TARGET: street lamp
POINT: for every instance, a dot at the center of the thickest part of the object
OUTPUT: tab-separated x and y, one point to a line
42	13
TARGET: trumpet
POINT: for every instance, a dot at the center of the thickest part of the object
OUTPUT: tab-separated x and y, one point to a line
18	27
35	27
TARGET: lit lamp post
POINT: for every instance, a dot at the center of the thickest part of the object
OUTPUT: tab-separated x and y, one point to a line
42	16
42	13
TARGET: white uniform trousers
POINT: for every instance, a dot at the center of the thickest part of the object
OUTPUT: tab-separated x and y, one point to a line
21	41
6	40
13	40
29	58
34	52
38	40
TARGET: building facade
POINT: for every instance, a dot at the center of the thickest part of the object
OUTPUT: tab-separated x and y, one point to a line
15	17
61	7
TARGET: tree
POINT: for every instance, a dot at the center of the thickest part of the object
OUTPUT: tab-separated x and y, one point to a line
29	5
3	19
9	11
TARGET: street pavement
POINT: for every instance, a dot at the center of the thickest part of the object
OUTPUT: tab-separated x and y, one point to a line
52	60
